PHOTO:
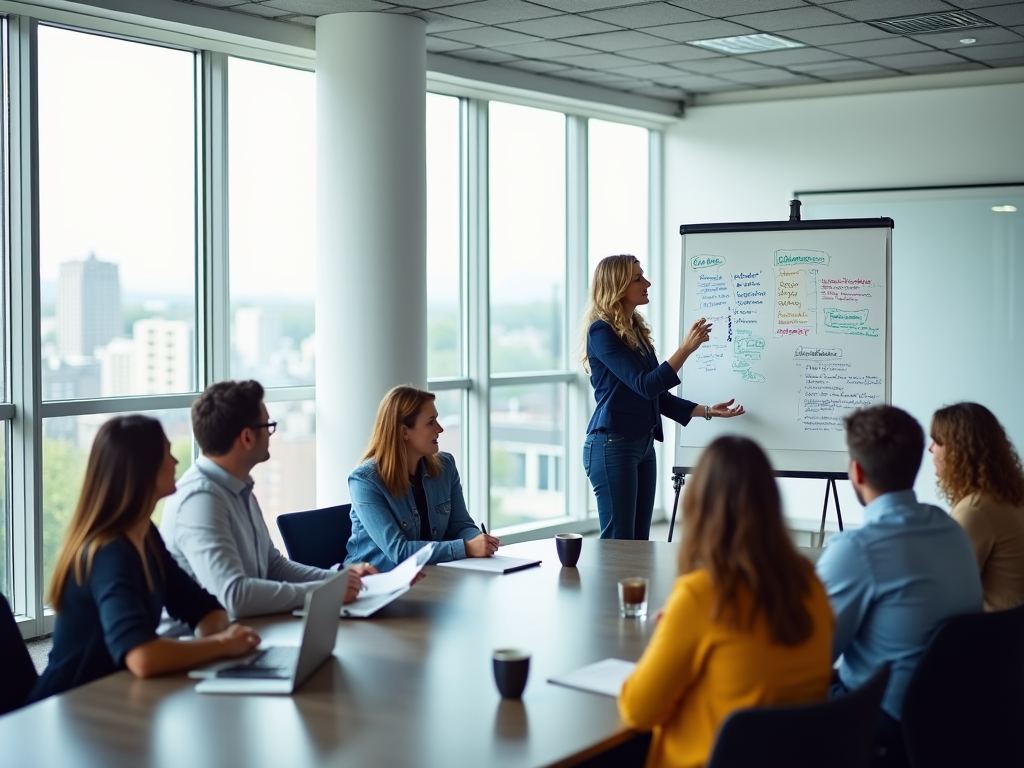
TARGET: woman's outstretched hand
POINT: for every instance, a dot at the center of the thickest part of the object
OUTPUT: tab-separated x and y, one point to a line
727	410
699	332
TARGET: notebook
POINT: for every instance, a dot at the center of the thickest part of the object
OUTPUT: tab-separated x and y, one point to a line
281	669
493	564
604	677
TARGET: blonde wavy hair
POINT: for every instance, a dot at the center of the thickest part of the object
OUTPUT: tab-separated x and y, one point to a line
399	408
979	456
612	277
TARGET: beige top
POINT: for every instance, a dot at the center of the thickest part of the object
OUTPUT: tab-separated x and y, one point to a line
996	531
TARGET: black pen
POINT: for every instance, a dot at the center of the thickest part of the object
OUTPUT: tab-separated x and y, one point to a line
483	528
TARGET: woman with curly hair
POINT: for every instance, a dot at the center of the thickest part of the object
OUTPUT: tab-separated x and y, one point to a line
980	474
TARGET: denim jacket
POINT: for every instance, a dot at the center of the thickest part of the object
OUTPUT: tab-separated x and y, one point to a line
386	530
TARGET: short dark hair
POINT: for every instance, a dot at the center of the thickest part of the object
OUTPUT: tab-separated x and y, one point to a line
888	443
221	413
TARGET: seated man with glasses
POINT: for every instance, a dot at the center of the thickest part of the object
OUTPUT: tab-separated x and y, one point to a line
213	524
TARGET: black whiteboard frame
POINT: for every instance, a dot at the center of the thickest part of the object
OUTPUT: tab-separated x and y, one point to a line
778	226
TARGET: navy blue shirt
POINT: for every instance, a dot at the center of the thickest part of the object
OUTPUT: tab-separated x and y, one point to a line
113	611
630	387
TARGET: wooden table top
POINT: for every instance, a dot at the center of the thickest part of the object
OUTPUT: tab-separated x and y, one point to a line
411	686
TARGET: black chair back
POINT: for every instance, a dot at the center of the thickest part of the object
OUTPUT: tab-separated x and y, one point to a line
19	673
965	702
837	733
317	537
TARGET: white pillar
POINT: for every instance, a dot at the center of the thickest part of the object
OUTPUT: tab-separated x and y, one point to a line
371	296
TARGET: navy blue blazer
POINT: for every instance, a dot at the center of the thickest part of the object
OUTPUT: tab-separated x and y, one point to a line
630	387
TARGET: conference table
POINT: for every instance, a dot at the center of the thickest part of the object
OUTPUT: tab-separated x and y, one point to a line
410	686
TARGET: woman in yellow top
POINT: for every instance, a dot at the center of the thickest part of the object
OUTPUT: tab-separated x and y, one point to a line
747	623
980	473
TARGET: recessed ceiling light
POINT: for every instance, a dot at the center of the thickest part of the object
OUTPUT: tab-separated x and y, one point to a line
1004	208
747	44
969	41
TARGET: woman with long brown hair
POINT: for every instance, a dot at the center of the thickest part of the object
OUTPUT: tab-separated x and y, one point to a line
114	576
747	623
980	474
407	493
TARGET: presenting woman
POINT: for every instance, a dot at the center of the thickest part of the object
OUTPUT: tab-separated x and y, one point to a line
980	473
406	493
632	393
114	576
747	623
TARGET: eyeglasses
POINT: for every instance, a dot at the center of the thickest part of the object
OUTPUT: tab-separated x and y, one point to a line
270	425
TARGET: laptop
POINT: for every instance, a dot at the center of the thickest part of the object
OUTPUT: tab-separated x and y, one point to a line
280	669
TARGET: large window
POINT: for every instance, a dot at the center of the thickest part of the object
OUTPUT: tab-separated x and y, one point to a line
272	193
117	213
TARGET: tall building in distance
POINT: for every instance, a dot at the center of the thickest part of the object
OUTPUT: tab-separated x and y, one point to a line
88	306
257	335
163	356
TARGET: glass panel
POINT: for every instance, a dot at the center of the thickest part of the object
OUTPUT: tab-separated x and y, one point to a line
272	188
450	405
617	191
527	431
66	445
287	482
5	518
117	216
527	238
444	308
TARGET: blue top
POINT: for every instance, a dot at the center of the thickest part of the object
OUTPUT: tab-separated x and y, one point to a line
630	387
113	611
386	530
891	584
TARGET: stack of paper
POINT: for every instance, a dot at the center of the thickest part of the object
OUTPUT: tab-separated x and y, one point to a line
604	677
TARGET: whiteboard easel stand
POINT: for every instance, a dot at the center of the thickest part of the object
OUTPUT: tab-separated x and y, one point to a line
678	481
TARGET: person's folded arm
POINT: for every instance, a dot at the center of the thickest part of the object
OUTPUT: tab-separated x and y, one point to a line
202	534
667	669
603	343
374	511
845	573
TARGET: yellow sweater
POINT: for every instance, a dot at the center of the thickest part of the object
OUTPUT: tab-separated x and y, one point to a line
696	671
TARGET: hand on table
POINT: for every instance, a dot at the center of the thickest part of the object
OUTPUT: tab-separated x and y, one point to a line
483	545
237	640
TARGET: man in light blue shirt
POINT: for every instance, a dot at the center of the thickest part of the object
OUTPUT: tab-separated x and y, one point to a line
894	581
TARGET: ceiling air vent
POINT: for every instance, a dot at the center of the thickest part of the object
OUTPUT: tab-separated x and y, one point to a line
932	22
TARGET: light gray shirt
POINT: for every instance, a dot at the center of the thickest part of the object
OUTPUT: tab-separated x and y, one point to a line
214	528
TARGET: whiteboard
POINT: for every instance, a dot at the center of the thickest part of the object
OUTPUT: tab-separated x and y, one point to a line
801	336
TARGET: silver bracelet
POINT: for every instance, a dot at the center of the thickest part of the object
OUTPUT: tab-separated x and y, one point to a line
707	412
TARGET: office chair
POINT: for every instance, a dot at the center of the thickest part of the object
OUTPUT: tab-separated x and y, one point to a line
19	672
317	537
965	702
838	733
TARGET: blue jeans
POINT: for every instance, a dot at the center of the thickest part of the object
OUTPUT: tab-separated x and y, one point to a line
624	474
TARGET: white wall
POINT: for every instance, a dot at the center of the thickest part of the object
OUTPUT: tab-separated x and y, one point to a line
743	162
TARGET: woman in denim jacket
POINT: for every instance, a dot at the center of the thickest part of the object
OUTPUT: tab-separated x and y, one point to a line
407	493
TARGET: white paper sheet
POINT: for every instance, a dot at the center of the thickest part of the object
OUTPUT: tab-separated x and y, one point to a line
604	677
399	577
494	564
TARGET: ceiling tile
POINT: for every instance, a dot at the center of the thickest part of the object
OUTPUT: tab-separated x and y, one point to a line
827	69
980	3
648	15
889	46
498	11
869	10
560	26
582	6
660	92
924	59
540	67
964	66
428	4
437	22
714	66
649	71
322	7
1007	15
623	40
699	30
598	61
992	52
986	36
718	9
671	53
256	9
838	33
304	21
612	80
220	3
488	36
694	82
440	45
795	18
546	49
483	54
768	76
793	56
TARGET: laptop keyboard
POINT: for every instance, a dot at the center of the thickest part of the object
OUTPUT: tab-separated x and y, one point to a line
275	663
